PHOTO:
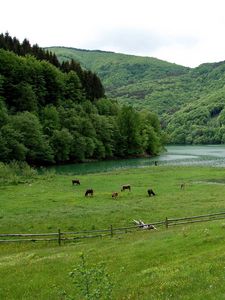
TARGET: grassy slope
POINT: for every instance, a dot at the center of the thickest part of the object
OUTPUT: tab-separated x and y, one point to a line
186	262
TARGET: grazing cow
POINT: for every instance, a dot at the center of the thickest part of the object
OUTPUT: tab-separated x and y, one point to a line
115	195
89	192
76	181
182	186
150	192
126	187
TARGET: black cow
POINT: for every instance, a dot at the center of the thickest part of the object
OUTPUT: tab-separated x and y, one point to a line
76	181
150	192
126	187
89	192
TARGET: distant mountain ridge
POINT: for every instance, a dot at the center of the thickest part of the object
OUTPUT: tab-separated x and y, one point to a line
103	62
176	93
128	78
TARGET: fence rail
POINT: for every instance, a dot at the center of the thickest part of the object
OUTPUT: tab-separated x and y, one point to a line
86	234
196	219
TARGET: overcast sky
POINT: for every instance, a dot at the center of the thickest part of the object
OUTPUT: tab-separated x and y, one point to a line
186	32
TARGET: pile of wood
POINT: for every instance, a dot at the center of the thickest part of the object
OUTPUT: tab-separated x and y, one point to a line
142	225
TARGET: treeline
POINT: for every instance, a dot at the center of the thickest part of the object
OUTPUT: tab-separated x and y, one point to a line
47	117
91	83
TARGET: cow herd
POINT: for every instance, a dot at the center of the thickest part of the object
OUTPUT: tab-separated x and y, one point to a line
90	192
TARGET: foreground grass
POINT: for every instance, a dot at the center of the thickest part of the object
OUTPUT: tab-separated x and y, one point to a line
187	262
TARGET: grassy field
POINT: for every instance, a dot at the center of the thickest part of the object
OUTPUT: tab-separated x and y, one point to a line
183	262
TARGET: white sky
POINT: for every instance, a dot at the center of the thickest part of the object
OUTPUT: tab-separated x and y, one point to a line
186	32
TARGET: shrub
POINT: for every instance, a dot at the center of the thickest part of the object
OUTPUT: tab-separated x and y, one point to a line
93	281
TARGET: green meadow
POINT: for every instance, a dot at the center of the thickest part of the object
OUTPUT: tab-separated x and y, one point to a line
182	262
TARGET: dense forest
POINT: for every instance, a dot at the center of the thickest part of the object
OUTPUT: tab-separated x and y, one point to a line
190	102
57	112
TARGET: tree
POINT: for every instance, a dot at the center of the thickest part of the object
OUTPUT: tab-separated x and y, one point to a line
150	133
50	119
107	107
3	113
129	126
24	97
99	149
150	141
73	88
61	141
89	147
104	128
12	147
28	127
93	86
78	147
54	83
87	128
26	47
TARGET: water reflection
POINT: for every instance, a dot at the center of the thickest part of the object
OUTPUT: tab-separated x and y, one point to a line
209	155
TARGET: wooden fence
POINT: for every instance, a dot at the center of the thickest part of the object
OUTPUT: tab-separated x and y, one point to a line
84	234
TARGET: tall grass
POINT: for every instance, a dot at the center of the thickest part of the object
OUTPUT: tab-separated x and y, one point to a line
16	172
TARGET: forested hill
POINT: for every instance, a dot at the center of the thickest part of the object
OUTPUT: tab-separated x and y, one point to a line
190	101
122	75
52	112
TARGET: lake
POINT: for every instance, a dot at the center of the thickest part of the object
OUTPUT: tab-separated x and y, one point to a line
207	155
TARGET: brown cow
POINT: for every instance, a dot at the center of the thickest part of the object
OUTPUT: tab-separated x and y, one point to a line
126	187
89	192
115	195
76	181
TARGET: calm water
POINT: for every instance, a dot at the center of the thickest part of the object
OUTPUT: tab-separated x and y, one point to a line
210	155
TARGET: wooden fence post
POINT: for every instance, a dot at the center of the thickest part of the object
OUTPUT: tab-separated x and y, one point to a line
59	237
166	223
111	229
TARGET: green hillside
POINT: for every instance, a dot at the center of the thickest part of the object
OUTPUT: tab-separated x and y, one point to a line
190	102
116	69
128	78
